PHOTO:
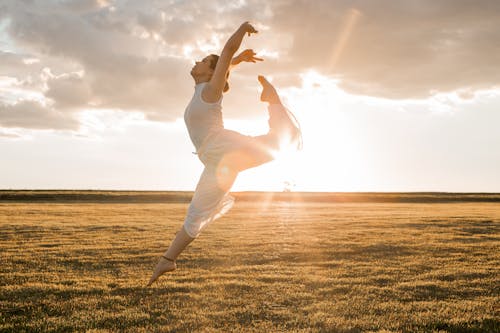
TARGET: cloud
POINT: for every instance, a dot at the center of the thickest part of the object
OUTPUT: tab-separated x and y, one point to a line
68	91
136	57
31	114
397	49
11	64
9	135
116	70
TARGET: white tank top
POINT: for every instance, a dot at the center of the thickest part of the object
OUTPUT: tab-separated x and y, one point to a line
202	119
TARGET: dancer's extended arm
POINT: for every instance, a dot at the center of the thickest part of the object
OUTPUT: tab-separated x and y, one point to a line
213	90
246	56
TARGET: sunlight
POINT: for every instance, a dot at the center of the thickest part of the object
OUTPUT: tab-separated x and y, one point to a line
331	155
350	21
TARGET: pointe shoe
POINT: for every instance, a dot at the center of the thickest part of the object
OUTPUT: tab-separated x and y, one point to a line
269	93
164	265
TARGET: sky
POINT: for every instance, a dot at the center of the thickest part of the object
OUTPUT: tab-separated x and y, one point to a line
390	95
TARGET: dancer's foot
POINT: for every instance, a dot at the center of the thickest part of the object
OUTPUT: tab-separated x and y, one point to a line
268	94
164	265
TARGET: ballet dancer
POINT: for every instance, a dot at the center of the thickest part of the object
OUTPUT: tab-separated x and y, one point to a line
224	152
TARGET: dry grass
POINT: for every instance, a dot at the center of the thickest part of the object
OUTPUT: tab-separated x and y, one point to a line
301	267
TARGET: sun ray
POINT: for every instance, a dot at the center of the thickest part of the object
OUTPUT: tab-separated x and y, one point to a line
350	21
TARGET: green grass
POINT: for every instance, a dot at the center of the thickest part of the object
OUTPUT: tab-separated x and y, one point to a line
298	267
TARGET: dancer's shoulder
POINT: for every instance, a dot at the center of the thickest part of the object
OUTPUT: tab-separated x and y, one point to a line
206	96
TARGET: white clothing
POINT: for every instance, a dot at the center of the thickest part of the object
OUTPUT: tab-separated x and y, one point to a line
209	202
224	153
202	119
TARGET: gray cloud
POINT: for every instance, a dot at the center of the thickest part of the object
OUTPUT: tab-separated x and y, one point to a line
11	64
130	55
31	114
116	72
398	49
68	91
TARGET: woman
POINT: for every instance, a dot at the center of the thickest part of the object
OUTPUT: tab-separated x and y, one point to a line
223	152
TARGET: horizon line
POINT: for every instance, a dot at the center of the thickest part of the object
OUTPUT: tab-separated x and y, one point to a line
257	191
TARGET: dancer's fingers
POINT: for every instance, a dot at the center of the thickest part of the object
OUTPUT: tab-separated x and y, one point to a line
251	30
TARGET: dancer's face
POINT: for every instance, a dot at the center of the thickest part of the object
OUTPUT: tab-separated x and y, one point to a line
203	68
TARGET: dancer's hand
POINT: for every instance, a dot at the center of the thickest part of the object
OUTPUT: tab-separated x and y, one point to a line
246	56
215	87
248	28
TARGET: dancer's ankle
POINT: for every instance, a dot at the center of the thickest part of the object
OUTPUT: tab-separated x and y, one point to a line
168	259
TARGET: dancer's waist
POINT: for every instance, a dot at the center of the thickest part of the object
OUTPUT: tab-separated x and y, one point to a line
204	143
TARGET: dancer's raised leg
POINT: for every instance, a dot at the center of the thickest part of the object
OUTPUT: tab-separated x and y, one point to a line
282	122
269	93
283	131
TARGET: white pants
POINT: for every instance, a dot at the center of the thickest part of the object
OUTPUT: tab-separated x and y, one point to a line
224	156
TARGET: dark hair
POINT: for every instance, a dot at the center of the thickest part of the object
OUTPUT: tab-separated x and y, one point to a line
214	58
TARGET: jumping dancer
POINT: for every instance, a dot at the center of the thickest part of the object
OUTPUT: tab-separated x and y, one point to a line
223	152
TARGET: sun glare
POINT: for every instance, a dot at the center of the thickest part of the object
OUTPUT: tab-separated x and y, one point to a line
330	156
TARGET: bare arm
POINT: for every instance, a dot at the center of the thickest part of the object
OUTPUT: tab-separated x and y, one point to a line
246	56
213	90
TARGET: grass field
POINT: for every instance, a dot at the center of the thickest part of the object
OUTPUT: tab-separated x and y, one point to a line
280	266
